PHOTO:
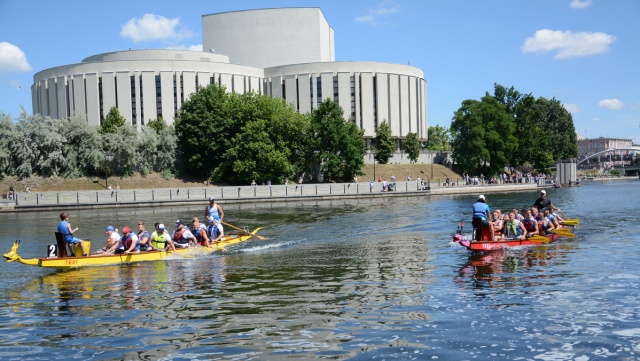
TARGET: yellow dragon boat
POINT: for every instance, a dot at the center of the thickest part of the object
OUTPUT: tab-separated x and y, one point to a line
62	262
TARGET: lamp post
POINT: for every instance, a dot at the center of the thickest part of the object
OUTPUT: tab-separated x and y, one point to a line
108	157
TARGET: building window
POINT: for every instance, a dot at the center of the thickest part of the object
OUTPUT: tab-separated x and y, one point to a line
319	90
134	114
141	101
352	81
158	97
100	100
375	97
335	88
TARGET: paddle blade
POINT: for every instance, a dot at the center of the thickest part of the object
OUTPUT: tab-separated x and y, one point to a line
566	233
539	238
571	222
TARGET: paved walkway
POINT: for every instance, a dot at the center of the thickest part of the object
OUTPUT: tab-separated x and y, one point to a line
243	194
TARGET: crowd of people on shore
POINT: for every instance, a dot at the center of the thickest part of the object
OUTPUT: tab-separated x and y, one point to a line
160	240
539	219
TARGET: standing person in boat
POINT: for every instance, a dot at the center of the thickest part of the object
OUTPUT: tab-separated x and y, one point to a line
144	237
64	227
513	229
544	202
182	236
213	210
161	239
216	231
481	217
200	232
129	242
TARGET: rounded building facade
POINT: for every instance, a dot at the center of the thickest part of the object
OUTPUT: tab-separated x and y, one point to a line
147	84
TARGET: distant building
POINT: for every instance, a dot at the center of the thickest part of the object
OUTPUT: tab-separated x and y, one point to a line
587	147
285	53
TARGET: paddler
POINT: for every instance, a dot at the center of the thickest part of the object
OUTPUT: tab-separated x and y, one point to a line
213	211
481	217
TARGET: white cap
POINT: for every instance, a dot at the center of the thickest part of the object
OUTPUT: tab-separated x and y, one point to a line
543	192
161	227
481	197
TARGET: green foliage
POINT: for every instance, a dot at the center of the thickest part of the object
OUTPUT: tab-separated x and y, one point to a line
38	146
615	172
204	127
336	146
483	135
112	121
512	129
269	146
122	144
412	147
438	138
7	131
81	148
158	125
385	143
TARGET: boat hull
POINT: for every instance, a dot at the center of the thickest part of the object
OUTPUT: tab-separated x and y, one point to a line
484	246
100	260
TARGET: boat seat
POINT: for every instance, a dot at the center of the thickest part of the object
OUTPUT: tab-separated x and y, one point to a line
62	245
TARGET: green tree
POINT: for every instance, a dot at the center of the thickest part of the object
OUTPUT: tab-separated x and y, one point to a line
270	145
7	130
122	144
81	147
204	128
412	147
158	125
112	121
482	135
336	146
558	125
37	147
438	138
385	143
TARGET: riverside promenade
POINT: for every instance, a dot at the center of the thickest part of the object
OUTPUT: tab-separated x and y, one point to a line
37	201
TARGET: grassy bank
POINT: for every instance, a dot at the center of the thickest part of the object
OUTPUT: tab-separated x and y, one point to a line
137	181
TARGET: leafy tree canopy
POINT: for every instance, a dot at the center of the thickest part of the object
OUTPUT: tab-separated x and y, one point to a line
438	138
385	143
412	147
112	121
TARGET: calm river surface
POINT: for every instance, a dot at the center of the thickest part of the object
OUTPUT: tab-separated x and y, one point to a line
371	279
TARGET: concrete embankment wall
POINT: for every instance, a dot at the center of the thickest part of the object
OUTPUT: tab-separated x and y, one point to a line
234	195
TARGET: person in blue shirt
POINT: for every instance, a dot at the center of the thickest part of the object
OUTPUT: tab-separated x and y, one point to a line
481	217
67	231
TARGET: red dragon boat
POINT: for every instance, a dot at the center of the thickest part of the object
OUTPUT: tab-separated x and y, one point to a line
486	244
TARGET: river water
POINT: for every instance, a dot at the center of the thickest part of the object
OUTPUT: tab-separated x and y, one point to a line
369	279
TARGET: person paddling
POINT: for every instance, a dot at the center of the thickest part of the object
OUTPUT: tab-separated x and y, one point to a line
481	216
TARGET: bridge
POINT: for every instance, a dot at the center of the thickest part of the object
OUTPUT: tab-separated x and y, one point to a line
634	149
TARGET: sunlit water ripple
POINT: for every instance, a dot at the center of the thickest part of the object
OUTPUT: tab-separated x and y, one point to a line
372	279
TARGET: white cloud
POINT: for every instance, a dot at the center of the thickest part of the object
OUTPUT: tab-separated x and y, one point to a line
572	108
384	8
611	104
196	47
153	27
12	58
580	4
567	43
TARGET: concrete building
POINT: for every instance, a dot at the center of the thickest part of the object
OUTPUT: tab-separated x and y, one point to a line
285	53
587	147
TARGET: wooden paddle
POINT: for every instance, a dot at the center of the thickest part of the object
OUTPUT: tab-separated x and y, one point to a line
244	232
569	222
538	238
564	232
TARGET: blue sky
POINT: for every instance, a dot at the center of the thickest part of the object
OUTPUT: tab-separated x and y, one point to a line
585	53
